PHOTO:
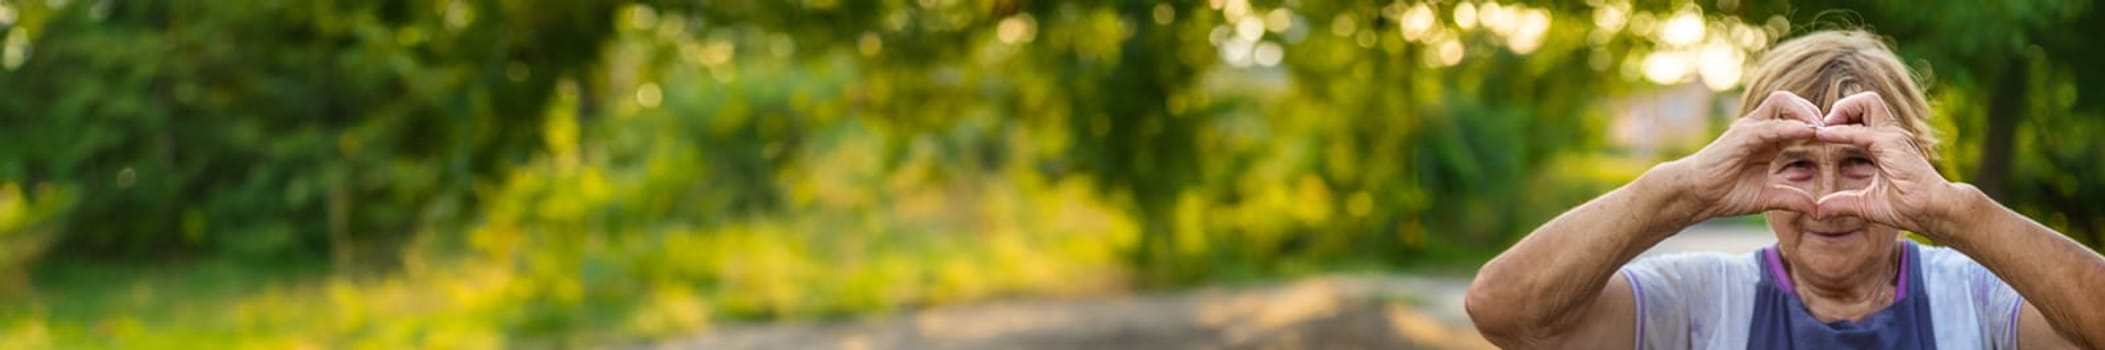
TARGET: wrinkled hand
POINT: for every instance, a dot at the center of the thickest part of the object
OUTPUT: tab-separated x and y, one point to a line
1730	177
1907	192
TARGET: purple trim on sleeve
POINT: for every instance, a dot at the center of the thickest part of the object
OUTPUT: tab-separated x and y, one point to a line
2016	307
1776	270
1637	291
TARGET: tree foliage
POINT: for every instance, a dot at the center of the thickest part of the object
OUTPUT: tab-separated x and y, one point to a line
278	128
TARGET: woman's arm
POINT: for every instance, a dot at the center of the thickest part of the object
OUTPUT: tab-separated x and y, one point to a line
2062	278
1558	285
2059	278
1544	289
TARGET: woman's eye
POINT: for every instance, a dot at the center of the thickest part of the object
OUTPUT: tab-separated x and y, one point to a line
1859	167
1797	170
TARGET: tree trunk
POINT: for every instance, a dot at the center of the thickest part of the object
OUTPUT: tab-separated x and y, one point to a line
2005	111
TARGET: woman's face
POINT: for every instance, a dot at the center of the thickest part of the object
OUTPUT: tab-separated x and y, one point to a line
1839	247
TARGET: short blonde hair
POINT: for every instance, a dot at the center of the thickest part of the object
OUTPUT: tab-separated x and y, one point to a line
1825	66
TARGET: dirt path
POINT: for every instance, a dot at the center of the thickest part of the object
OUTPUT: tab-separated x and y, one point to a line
1343	312
1335	312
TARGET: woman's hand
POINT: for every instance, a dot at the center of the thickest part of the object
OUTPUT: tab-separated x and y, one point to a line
1730	177
1907	192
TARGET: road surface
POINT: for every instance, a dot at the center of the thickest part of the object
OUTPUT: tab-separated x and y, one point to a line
1333	312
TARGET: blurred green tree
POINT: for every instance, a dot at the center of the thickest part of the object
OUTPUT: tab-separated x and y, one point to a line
279	129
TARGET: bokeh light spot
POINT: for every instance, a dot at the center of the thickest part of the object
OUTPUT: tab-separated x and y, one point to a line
1465	15
1268	54
1665	67
649	96
1685	28
1164	13
1017	29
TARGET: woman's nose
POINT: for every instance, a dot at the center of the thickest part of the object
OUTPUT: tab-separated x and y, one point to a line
1827	180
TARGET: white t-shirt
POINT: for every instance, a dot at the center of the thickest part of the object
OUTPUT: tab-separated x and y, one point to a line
1706	300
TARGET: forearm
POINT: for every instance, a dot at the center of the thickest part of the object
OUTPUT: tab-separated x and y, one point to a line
1558	269
2059	276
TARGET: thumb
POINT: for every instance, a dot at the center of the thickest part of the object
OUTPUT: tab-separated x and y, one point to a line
1845	203
1780	197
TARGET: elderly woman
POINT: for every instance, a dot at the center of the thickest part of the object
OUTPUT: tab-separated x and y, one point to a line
1837	177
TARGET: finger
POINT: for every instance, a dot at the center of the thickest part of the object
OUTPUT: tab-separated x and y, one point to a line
1869	138
1887	145
1845	203
1781	197
1788	106
1802	109
1865	108
1857	203
1776	132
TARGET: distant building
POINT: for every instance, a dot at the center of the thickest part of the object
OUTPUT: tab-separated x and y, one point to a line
1673	118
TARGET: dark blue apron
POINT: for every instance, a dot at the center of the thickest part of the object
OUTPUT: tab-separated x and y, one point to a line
1782	322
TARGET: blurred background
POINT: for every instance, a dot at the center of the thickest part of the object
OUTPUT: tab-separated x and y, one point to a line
898	173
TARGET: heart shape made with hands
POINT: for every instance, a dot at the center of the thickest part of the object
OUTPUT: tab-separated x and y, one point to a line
1864	120
1737	173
